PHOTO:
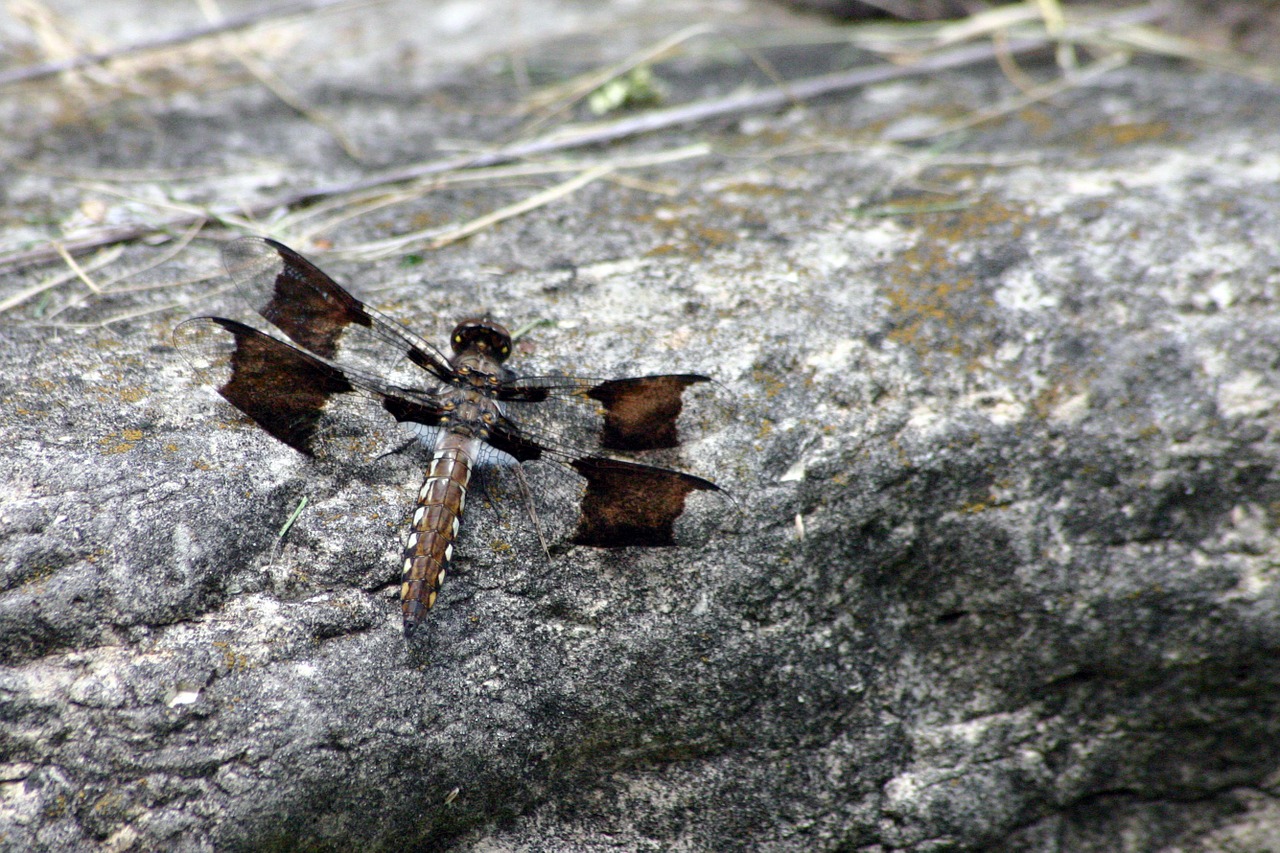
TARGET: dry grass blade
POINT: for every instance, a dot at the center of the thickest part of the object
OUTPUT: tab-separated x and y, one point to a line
359	204
109	287
227	25
98	261
1159	43
532	203
77	269
278	87
439	237
158	261
580	135
187	214
566	138
560	98
436	238
1030	96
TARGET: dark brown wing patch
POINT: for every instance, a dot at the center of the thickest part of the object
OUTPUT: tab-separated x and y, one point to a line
628	415
295	295
283	389
641	413
507	437
630	504
412	411
316	313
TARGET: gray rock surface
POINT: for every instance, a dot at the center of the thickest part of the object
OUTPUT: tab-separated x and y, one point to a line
1005	576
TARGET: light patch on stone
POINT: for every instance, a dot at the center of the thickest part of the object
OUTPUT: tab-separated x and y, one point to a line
609	269
1071	409
923	418
1222	294
122	839
999	406
1246	394
459	18
913	126
889	94
1009	351
1022	292
184	696
884	234
834	360
1252	582
1089	184
795	473
905	788
828	254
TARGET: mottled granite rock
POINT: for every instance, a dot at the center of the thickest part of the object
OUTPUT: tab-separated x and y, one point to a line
1005	453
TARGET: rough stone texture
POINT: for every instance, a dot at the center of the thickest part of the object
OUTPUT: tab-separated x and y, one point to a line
1006	459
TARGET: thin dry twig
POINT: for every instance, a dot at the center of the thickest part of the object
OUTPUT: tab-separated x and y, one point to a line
452	235
533	202
1009	66
581	135
109	287
665	188
159	260
287	95
1150	40
359	204
236	22
77	269
98	261
562	97
186	213
117	318
436	238
185	303
1030	96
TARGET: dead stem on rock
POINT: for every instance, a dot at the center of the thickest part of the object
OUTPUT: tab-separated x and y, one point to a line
227	25
913	50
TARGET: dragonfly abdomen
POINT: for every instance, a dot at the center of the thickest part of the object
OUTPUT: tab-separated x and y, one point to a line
429	547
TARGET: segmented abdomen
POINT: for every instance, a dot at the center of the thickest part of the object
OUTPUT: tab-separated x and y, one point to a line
435	524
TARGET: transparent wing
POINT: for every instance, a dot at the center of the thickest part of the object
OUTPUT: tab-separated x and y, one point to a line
321	317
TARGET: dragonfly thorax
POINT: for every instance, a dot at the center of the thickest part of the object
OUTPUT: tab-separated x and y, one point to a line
471	413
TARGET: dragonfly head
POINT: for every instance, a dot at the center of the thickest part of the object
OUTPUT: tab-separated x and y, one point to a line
483	337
